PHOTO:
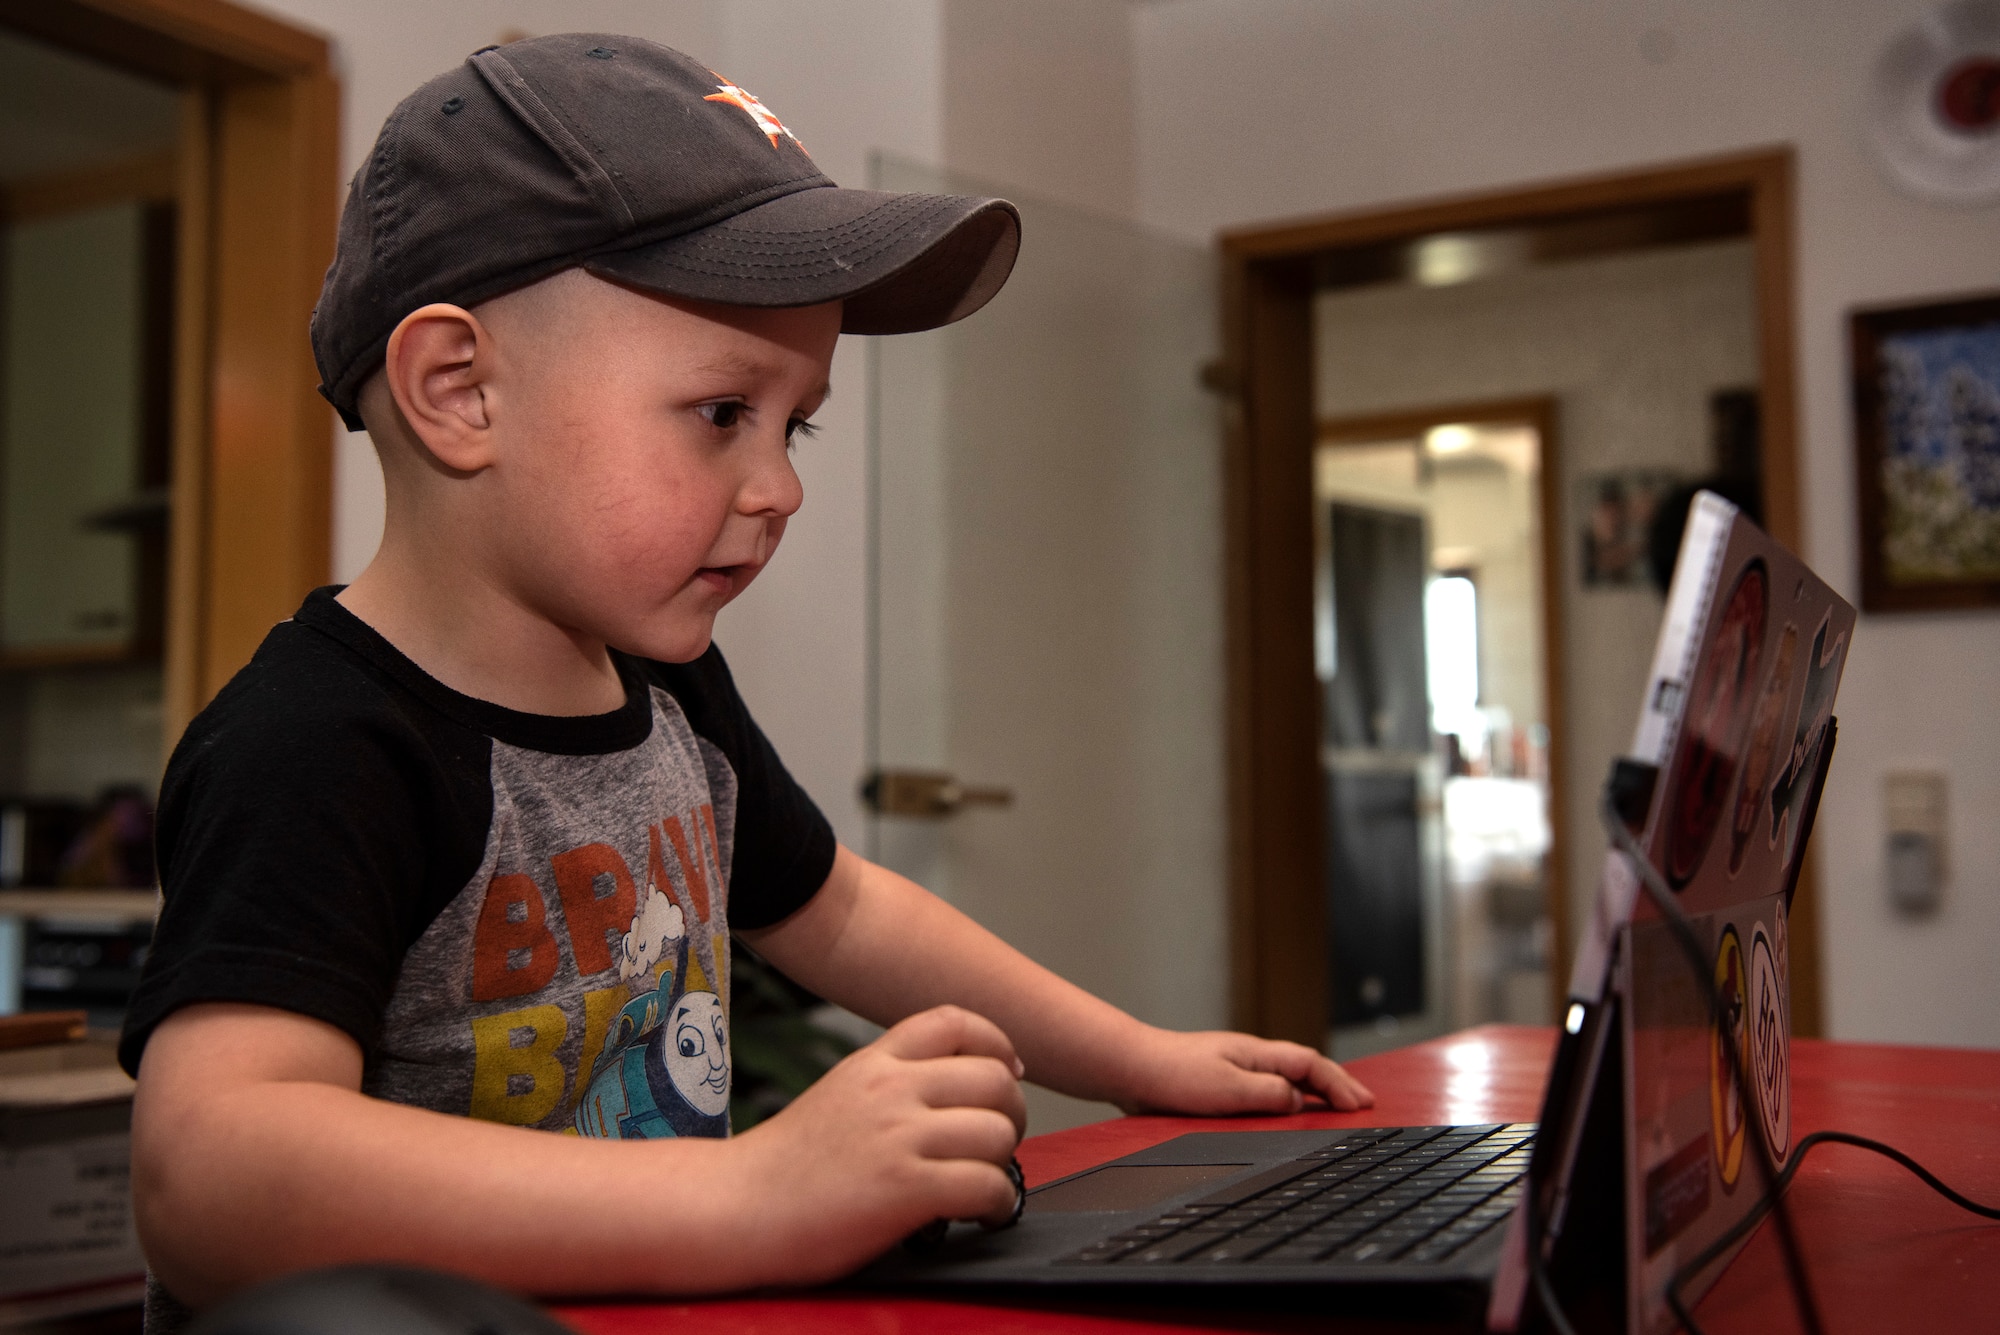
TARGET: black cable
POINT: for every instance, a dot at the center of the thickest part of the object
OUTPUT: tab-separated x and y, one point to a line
1783	1180
1538	1270
1697	958
1773	1197
1794	1258
1795	1266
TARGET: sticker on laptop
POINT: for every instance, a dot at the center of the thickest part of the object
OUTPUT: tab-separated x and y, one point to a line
1718	707
1725	1103
1770	1039
1793	785
1760	747
1676	1194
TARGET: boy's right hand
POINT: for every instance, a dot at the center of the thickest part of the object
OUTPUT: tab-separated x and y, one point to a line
914	1127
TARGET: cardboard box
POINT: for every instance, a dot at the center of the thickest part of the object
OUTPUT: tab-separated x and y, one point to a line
67	1241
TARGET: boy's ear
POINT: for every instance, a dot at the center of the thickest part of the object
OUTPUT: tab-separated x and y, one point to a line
437	365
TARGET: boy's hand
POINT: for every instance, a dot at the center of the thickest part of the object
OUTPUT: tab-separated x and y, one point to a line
1219	1073
912	1128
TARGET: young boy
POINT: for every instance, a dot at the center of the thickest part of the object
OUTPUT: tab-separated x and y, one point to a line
454	862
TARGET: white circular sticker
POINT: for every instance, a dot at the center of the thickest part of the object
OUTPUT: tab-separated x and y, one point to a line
1770	1043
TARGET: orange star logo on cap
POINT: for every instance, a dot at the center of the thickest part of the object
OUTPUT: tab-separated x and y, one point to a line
757	111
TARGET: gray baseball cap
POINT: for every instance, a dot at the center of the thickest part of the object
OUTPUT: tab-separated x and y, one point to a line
641	165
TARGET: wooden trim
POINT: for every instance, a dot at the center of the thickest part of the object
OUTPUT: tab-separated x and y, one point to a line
256	186
181	41
1278	880
269	487
1735	173
39	1028
1224	378
73	655
1555	705
187	537
1270	268
149	177
111	905
1541	414
1538	412
1774	232
1772	229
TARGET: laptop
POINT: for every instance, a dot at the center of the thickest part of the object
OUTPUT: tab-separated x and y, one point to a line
1643	1154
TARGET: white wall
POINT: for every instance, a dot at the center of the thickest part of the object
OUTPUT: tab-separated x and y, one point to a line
1252	110
1049	613
1039	97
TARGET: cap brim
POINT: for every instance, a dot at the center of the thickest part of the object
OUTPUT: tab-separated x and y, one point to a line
900	262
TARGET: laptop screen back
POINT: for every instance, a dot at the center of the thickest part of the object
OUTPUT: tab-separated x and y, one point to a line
1732	800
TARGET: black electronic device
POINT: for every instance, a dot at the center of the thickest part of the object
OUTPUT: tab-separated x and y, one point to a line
1623	1179
376	1300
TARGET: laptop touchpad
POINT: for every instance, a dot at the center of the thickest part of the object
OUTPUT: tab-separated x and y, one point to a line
1126	1186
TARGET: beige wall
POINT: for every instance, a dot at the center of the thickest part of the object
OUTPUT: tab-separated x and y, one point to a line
1631	347
1251	110
1038	95
1050	613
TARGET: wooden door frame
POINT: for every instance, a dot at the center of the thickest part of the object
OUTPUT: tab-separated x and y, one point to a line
258	181
1276	820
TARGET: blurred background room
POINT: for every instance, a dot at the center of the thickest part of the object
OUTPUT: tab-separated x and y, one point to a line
1241	613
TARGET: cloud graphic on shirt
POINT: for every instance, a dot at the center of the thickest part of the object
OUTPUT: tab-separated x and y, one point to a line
658	922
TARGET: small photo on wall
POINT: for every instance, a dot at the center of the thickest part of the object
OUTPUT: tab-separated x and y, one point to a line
1618	510
1927	454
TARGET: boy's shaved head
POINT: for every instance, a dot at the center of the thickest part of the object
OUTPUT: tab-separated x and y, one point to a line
523	318
529	325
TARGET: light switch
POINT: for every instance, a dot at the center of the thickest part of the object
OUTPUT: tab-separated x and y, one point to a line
1914	803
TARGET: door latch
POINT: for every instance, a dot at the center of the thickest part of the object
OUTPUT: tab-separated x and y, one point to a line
903	792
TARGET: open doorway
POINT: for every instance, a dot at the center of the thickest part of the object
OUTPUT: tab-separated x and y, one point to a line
1436	639
1549	292
167	189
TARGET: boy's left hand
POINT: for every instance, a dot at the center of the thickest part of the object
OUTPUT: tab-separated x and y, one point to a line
1218	1073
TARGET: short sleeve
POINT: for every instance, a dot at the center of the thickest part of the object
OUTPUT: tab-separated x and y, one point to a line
308	832
784	845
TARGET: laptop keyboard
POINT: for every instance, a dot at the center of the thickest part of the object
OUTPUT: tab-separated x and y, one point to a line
1410	1194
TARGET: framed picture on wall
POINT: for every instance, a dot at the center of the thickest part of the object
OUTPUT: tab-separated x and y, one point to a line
1618	510
1927	454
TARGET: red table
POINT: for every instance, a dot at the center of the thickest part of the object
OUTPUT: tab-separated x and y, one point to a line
1884	1252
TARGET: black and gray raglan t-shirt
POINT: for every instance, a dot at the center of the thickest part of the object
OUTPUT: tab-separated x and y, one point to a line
518	917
